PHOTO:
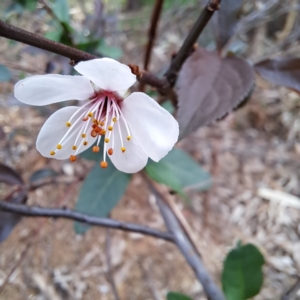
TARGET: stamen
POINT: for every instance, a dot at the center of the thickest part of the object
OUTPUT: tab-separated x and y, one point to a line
110	128
80	108
52	152
110	151
90	114
74	147
72	158
68	124
106	140
83	135
114	120
103	164
125	122
94	133
85	143
123	149
96	149
59	146
129	138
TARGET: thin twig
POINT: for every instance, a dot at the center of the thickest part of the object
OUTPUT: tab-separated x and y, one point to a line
168	199
291	293
110	276
151	36
36	211
188	251
190	40
152	31
36	40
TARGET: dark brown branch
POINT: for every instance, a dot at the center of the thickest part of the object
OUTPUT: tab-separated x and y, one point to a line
152	31
190	40
32	39
36	211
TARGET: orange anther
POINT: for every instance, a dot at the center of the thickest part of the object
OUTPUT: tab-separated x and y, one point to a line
102	132
94	133
96	149
85	118
94	126
110	151
103	164
72	158
95	121
97	129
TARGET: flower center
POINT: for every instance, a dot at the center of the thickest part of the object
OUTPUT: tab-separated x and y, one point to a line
97	118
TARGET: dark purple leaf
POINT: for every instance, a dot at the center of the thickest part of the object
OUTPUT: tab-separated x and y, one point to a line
10	176
209	87
9	220
285	72
227	18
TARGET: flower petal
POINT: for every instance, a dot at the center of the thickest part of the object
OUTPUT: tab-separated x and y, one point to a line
154	127
51	88
54	129
133	159
107	73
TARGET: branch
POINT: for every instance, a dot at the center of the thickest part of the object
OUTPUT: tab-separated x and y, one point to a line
152	31
32	39
190	40
188	251
36	211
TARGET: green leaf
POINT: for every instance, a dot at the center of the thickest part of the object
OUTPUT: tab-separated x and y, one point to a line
101	191
168	106
5	74
242	275
54	35
31	5
61	10
179	171
110	51
42	174
177	296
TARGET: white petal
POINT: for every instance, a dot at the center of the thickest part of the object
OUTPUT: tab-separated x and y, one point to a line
133	159
107	73
54	129
51	88
154	127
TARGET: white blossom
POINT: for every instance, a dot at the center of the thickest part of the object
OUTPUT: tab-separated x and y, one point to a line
132	128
